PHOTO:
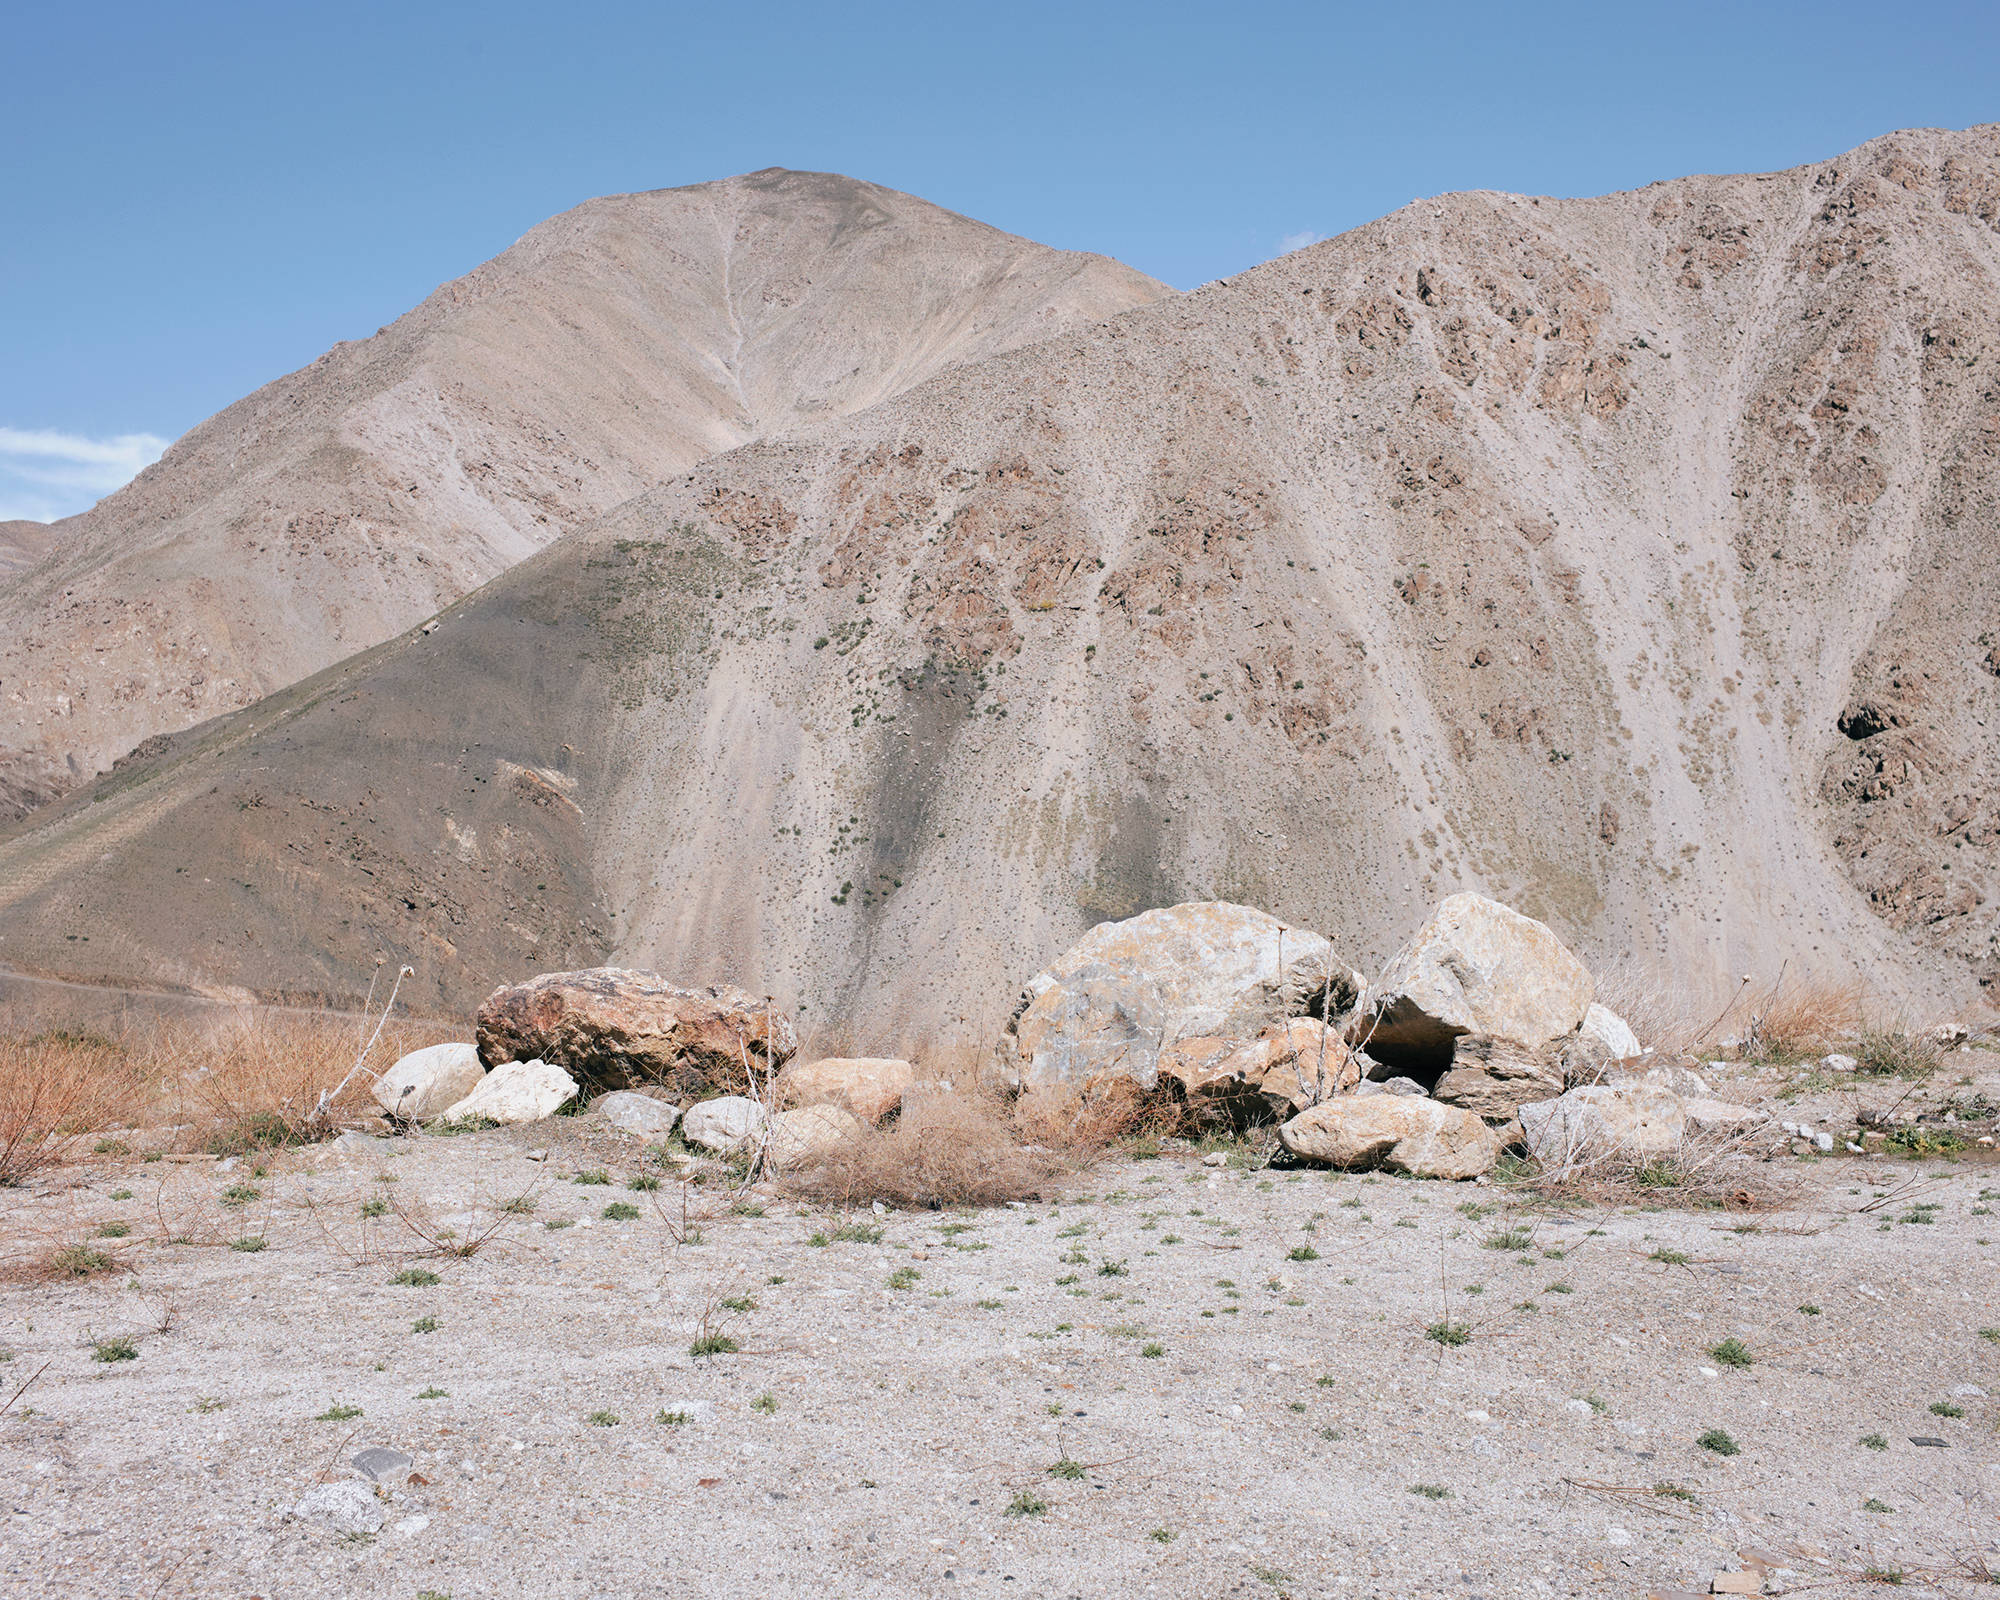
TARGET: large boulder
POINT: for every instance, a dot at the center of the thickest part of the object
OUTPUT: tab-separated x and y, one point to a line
871	1087
725	1124
423	1083
1473	967
1203	970
1403	1133
799	1138
615	1028
640	1115
515	1091
1288	1067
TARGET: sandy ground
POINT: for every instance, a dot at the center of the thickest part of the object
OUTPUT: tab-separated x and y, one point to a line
1242	1421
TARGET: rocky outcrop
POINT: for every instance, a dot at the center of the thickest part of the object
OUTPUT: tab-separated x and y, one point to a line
1290	1066
615	1028
516	1091
725	1124
870	1087
1401	1133
1207	969
425	1082
1474	967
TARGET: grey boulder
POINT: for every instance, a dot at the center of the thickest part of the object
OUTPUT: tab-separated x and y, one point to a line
725	1124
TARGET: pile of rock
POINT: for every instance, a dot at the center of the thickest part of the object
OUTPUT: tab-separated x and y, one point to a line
1482	1032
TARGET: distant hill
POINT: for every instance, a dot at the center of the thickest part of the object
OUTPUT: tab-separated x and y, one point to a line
1635	560
613	347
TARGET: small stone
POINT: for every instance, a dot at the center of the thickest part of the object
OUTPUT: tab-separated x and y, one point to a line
1839	1063
1215	1158
1736	1583
1926	1442
699	1413
1967	1391
351	1140
381	1463
1823	1142
346	1507
538	1154
637	1114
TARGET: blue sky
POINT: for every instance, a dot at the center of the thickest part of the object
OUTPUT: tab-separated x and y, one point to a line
198	198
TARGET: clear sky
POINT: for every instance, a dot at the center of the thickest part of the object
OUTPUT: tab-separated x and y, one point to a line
196	198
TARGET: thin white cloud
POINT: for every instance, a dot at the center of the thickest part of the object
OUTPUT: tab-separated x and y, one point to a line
46	473
1298	241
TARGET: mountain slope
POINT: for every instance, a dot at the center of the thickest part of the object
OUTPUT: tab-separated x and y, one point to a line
1635	560
611	348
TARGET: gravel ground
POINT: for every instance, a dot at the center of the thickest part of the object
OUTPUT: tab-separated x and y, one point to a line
1228	1371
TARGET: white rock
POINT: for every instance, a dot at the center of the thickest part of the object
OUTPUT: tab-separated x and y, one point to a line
637	1114
1823	1142
1839	1063
423	1083
518	1091
346	1507
1610	1030
724	1124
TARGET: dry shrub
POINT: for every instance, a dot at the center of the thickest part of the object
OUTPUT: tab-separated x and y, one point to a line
1708	1172
948	1147
1799	1018
58	1091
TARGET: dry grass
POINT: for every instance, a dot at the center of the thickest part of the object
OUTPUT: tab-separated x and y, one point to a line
58	1092
244	1081
1707	1173
949	1147
1799	1018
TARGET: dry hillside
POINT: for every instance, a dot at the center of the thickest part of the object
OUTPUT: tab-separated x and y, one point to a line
611	348
1634	560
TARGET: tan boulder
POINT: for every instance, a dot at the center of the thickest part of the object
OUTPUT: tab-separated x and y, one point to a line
1290	1066
615	1028
871	1087
1208	969
1475	967
799	1138
1403	1133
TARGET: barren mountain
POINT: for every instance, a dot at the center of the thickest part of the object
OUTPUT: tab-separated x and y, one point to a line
608	350
1634	560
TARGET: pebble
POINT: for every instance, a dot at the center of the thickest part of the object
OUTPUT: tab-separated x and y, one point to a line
381	1463
1215	1158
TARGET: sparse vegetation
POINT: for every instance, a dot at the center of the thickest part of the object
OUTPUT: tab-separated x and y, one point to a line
117	1348
1719	1442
